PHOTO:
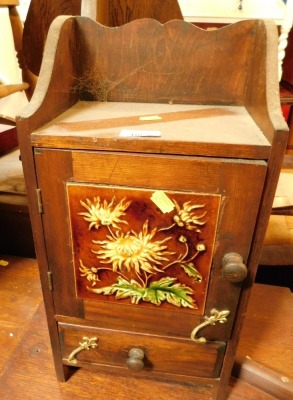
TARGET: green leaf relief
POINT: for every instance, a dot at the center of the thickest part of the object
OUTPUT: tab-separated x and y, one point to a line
191	271
166	289
122	289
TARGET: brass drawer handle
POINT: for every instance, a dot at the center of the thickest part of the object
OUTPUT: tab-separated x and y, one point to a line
135	358
86	344
216	316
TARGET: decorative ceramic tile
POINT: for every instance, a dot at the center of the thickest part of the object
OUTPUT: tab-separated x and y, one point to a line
142	247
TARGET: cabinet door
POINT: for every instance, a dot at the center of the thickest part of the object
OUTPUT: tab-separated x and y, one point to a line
140	239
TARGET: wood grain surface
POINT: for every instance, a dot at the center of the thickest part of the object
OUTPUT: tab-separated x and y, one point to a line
41	13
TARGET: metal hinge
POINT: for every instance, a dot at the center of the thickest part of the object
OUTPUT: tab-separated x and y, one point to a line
50	280
39	201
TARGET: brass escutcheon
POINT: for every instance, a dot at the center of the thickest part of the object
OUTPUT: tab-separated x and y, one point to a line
216	316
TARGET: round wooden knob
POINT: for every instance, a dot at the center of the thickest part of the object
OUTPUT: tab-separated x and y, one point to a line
233	268
135	359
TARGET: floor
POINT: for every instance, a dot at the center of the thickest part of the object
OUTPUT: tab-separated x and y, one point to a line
26	366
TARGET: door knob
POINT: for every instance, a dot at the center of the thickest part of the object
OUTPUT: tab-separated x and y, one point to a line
135	359
233	268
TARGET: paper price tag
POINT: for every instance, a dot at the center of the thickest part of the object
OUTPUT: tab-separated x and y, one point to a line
138	133
150	118
162	201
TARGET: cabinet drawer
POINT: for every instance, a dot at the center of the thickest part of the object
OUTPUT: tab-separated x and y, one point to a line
161	354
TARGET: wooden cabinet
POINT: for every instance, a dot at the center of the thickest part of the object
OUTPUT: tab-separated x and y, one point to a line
151	167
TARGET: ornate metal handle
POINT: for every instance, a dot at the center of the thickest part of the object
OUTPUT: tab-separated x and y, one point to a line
233	268
216	316
135	359
86	344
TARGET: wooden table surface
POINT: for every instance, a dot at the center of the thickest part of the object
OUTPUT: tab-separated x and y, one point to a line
26	366
267	335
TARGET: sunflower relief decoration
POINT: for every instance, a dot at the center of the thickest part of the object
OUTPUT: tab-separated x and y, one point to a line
142	247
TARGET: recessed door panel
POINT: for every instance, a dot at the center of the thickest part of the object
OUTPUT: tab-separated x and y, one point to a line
142	247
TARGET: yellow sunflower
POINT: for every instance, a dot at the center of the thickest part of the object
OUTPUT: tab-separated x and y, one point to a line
104	214
187	217
133	250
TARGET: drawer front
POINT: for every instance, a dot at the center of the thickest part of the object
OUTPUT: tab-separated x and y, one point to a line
160	354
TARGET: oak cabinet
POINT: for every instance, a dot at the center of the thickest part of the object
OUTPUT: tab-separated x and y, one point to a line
149	194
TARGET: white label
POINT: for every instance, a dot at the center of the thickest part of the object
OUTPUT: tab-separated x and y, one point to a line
162	201
140	133
150	118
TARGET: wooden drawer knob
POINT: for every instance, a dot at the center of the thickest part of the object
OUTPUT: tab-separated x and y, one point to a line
135	359
233	268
